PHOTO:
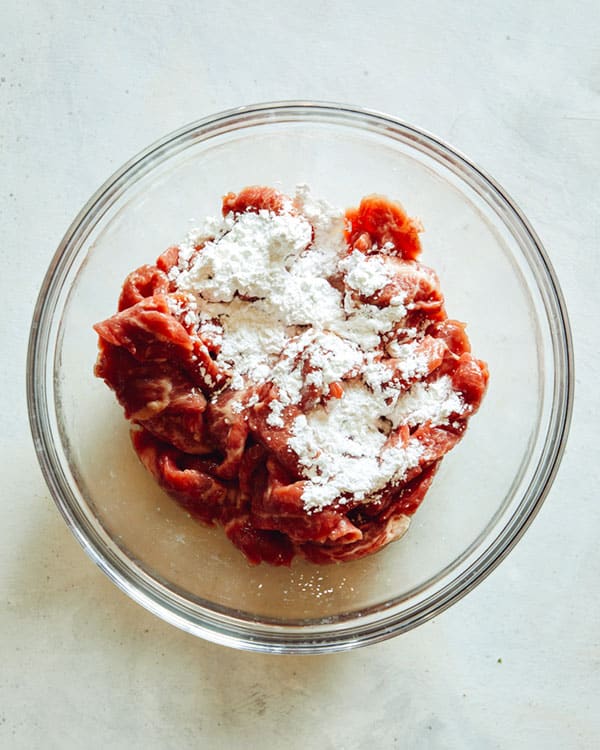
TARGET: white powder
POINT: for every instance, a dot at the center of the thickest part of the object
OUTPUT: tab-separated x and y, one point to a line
366	274
275	418
428	402
261	288
333	357
411	362
365	324
342	451
250	258
327	222
339	447
314	358
377	374
251	340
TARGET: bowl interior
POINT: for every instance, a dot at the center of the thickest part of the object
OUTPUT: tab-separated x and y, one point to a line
477	248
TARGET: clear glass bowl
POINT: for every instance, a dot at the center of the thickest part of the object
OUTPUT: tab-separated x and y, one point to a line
495	275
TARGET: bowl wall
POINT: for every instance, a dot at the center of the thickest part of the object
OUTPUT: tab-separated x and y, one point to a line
493	275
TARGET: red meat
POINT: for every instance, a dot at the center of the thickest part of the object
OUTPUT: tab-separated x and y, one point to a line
223	460
379	221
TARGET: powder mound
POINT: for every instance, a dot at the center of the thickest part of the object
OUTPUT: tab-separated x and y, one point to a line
292	373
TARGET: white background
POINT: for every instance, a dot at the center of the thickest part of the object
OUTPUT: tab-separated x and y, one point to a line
517	87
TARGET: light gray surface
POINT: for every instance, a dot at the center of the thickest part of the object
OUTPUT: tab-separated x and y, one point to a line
515	664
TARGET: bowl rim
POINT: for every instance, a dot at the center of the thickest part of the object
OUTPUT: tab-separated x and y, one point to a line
249	635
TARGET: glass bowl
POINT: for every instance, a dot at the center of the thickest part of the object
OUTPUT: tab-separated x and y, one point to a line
495	275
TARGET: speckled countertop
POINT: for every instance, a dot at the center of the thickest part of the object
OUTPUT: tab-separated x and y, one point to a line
515	85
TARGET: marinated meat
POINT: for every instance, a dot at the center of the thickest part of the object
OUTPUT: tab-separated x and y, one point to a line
319	439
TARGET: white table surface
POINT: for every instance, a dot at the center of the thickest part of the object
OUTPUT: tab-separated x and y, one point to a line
516	664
